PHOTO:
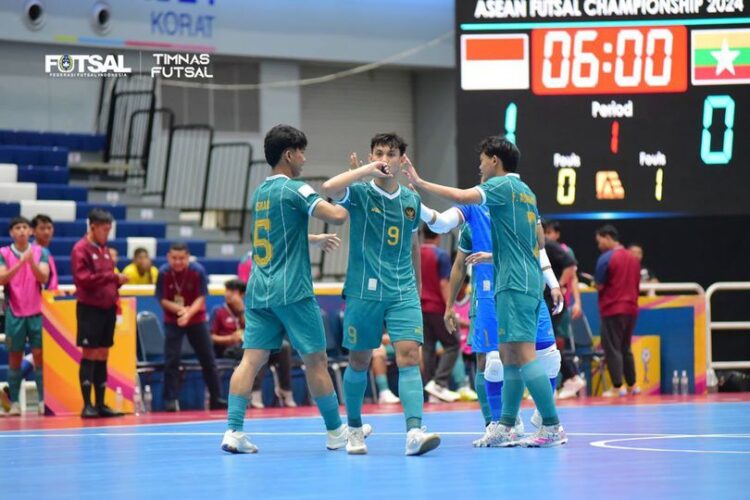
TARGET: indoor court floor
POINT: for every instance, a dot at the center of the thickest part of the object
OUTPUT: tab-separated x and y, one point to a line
670	447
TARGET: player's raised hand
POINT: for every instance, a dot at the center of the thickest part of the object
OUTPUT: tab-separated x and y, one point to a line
410	172
354	161
380	169
479	258
328	242
557	300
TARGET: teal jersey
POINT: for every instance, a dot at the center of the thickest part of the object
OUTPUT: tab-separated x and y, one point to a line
380	253
465	245
515	250
281	257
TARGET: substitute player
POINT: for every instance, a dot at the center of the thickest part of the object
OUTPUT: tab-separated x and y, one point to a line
382	285
517	241
280	292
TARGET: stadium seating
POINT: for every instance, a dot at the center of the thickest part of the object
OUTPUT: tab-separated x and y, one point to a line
71	141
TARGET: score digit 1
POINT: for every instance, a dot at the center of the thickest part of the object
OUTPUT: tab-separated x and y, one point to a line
511	115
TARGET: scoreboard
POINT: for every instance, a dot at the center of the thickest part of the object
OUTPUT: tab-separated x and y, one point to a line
616	105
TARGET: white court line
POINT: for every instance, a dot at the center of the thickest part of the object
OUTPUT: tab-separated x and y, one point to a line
283	434
607	443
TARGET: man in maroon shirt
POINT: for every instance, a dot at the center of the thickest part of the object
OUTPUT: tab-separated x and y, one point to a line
436	269
181	288
96	292
618	274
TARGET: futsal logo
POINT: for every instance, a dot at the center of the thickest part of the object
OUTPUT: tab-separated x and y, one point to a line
410	213
65	64
85	65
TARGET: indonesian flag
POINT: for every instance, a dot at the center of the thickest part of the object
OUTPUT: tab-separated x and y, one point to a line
721	57
494	62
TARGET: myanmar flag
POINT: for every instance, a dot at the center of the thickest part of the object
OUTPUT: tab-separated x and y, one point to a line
721	57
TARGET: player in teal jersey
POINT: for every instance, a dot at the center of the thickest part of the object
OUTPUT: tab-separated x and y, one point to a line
382	285
519	281
280	293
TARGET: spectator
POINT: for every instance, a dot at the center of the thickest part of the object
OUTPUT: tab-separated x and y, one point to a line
617	279
44	230
96	310
181	288
436	269
647	276
227	334
462	308
565	267
114	255
141	271
245	266
23	271
380	357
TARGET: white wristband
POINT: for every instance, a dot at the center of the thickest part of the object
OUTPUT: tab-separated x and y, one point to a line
446	221
549	274
426	214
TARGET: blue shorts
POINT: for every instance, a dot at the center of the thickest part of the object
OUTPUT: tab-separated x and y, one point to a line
545	333
483	334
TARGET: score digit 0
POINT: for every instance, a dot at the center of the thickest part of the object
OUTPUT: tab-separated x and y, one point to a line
566	195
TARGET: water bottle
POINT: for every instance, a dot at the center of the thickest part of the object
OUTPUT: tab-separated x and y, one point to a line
712	383
147	399
684	383
118	399
583	393
675	383
137	401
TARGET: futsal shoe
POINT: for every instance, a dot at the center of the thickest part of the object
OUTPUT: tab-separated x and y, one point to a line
536	419
172	405
440	392
338	438
256	400
286	398
237	442
571	387
547	436
499	436
15	409
419	441
634	390
615	393
40	408
218	404
355	444
466	394
89	412
107	412
387	397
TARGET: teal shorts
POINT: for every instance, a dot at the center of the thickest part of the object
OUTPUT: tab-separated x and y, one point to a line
517	316
23	329
364	321
302	322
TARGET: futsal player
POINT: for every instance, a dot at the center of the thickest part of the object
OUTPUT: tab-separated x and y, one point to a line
280	292
519	281
382	285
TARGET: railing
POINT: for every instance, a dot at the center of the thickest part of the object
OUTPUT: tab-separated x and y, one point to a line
189	151
672	288
121	98
711	325
147	150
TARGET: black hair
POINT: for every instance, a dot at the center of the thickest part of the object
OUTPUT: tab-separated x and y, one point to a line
608	230
41	219
279	139
100	216
551	225
428	233
635	244
390	139
179	246
236	285
18	220
139	251
501	147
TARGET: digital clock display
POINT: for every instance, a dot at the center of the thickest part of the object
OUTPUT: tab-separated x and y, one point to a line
631	106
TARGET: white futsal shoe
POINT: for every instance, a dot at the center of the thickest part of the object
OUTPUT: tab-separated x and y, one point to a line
237	442
355	444
419	441
491	429
498	436
387	397
536	419
338	438
547	436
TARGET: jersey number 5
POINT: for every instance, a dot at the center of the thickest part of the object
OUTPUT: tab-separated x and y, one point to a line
262	244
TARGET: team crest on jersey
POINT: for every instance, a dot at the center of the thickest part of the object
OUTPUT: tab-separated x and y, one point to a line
410	213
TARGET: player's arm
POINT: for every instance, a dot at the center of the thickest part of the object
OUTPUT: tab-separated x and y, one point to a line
463	196
328	242
458	274
40	270
441	222
572	284
7	273
549	275
335	187
330	213
416	258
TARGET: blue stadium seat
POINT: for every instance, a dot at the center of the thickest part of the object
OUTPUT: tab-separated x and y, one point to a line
63	244
8	210
211	265
139	228
61	192
118	211
34	155
71	141
49	175
72	229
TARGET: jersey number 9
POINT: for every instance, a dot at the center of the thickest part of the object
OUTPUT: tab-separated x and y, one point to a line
262	245
393	234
